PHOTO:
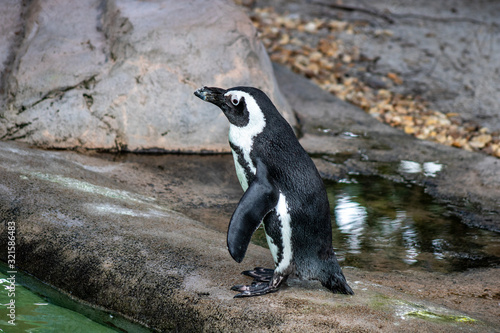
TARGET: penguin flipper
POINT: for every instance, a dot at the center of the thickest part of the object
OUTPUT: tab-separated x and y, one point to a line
259	199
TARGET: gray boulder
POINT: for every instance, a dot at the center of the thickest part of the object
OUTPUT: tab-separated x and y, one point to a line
121	75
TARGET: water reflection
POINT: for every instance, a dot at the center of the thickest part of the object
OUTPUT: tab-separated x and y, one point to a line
378	224
410	242
351	220
429	169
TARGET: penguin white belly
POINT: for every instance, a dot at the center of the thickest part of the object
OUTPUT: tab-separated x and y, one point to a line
286	236
240	172
273	248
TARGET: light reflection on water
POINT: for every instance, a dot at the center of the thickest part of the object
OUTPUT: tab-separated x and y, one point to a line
351	218
410	242
429	169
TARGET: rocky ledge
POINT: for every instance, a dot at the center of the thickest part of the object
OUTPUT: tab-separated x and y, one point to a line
107	232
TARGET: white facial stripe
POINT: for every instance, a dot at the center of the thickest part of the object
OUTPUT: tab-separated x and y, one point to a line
242	137
286	235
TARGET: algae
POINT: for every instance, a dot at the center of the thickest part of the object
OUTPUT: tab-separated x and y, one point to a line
428	315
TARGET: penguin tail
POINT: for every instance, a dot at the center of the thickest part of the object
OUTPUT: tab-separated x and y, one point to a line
330	274
337	284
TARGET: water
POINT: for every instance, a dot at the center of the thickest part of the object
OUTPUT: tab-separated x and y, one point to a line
381	225
35	313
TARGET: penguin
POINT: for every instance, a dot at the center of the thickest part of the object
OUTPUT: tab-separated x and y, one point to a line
282	190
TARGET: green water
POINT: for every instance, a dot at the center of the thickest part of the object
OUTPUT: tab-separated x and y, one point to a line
40	314
35	314
381	225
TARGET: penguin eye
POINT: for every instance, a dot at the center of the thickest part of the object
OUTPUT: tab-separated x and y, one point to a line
235	101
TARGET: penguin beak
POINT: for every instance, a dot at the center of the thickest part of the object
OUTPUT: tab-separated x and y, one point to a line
211	94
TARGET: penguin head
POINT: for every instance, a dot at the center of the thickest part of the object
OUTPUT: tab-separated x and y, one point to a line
241	105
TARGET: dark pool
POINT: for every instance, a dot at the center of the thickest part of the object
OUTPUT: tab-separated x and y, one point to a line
381	225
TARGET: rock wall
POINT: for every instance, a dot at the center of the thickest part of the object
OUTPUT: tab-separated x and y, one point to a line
112	74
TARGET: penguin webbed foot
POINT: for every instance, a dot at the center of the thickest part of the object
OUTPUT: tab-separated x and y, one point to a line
255	289
260	274
265	282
